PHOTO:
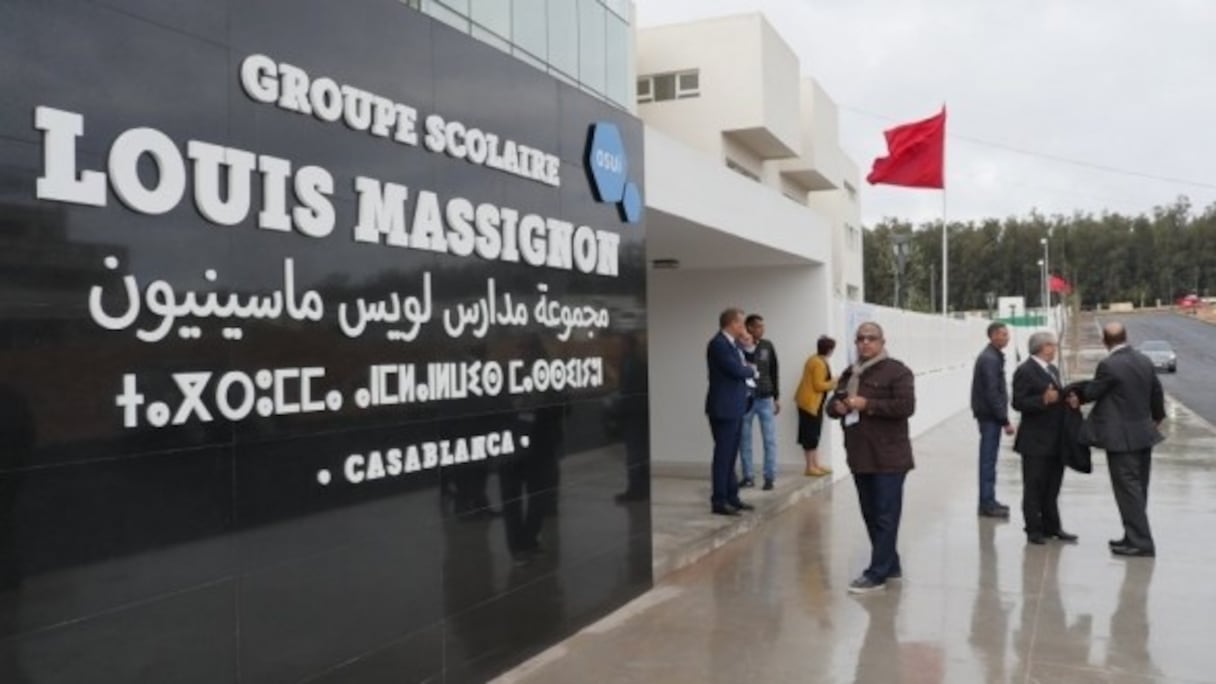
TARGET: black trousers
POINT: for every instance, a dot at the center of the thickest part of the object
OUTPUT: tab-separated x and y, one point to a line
1042	475
727	434
1129	473
881	496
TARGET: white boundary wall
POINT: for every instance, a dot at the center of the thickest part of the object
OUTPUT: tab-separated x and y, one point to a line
940	351
683	311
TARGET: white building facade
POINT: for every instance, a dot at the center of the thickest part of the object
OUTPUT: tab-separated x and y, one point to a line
750	203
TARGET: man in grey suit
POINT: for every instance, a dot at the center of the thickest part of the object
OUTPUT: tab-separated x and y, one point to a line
1124	421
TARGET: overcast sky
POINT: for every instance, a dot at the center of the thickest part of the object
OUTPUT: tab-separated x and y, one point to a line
1125	84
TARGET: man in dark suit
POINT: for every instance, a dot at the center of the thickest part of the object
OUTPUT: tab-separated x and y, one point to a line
1037	395
730	383
1124	421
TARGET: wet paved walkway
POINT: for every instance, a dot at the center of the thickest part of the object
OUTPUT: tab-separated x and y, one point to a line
978	604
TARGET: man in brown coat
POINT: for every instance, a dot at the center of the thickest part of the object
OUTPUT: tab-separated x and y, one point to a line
874	400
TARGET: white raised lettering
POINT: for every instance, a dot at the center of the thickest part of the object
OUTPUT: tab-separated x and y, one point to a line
275	173
124	171
316	217
381	212
259	77
208	159
59	180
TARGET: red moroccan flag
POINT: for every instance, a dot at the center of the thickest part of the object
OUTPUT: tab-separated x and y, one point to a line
915	155
1059	284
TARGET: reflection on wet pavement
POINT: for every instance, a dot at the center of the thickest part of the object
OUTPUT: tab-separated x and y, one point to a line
977	605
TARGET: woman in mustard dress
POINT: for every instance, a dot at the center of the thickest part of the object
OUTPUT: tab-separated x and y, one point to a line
816	384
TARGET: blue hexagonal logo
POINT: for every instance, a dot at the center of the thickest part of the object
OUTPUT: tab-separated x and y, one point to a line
606	162
631	203
608	169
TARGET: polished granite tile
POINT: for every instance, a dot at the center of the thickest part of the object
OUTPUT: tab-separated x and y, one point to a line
118	70
184	638
545	604
76	541
417	657
256	548
301	618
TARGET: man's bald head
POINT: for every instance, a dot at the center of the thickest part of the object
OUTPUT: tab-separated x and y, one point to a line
870	340
870	328
1114	334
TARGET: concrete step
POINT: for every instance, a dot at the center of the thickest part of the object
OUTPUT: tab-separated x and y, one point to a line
684	531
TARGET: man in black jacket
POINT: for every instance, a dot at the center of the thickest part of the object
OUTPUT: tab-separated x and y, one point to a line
1125	421
1037	395
763	355
990	406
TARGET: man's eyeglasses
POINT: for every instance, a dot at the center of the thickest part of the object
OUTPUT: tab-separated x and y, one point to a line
867	338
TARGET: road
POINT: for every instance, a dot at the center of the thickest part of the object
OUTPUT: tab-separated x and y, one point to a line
1195	341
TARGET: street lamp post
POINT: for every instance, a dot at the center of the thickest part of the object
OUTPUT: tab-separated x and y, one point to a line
899	244
1046	275
1013	330
1043	286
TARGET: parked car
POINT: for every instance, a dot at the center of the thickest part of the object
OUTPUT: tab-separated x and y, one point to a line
1161	353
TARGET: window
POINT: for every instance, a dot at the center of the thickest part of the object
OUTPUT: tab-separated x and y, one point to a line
677	85
664	87
586	43
563	37
618	7
592	63
494	15
618	53
491	38
447	15
529	27
645	90
854	238
741	170
688	84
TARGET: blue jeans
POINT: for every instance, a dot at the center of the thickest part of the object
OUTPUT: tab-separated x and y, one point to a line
765	409
990	446
881	496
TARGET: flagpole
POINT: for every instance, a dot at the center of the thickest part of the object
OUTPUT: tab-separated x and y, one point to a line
945	227
945	258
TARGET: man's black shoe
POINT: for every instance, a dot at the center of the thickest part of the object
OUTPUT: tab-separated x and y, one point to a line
1036	539
768	485
1118	542
747	482
742	506
994	512
1066	537
1132	552
724	510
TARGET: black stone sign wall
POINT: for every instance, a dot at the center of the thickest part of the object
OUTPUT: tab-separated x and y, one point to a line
255	424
